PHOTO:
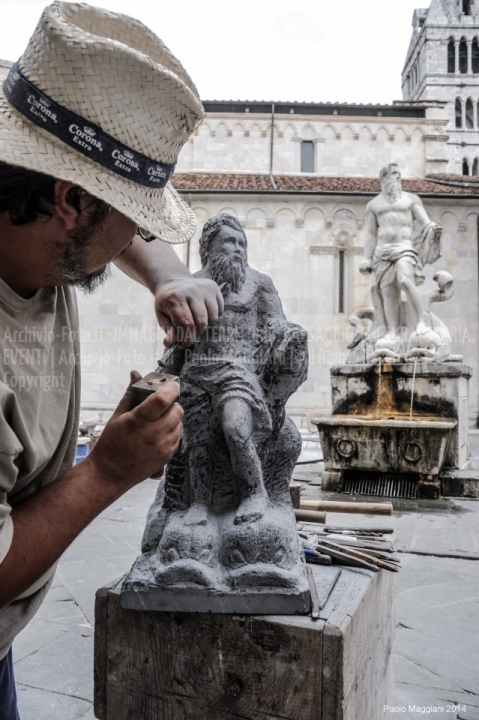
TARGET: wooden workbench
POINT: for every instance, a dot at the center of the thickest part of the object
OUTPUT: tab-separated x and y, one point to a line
188	666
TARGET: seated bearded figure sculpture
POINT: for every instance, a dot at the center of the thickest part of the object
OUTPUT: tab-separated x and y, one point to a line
222	519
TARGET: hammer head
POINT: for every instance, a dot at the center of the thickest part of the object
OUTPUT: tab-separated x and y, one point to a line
149	384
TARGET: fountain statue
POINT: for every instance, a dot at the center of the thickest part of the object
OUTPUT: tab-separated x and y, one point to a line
399	240
400	401
221	534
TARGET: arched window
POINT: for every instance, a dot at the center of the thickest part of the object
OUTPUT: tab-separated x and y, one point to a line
451	56
465	167
463	56
458	113
408	84
475	167
307	156
341	282
475	56
466	7
469	114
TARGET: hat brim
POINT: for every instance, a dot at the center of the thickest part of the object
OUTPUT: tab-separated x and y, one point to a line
161	212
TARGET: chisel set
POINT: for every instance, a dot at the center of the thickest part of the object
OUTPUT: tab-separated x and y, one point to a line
361	548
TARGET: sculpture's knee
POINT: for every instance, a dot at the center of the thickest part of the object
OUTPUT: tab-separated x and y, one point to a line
236	422
236	432
406	284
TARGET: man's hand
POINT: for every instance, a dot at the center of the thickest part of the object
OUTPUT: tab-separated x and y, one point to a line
136	443
185	307
366	267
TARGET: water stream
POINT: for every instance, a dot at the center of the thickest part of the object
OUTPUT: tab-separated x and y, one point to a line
378	400
412	387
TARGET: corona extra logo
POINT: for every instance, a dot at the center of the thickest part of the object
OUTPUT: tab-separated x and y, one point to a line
89	131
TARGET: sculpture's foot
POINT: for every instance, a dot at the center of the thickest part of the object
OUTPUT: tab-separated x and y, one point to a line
252	509
196	515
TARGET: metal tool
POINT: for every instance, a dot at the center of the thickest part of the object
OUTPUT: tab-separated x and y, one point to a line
150	384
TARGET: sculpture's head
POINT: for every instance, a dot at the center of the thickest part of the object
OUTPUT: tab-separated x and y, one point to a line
223	250
391	179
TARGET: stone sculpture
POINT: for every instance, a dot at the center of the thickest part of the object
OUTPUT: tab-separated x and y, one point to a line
221	534
399	240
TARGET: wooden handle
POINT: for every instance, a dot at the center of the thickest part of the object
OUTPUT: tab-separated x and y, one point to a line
348	507
310	516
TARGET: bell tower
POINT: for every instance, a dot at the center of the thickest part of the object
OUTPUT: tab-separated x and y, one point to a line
442	64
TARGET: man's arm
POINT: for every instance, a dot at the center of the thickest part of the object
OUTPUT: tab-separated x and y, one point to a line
419	213
184	305
370	235
134	445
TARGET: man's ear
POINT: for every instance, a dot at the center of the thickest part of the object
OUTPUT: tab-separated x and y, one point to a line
66	211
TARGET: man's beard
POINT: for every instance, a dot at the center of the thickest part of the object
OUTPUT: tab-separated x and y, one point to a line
393	192
72	262
230	270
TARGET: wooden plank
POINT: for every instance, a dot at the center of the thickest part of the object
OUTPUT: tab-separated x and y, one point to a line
100	652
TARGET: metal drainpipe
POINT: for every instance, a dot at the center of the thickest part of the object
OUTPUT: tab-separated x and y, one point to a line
271	152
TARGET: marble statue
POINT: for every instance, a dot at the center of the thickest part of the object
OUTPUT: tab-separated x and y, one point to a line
399	240
222	522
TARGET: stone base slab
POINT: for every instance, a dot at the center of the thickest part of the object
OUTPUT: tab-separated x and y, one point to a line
205	601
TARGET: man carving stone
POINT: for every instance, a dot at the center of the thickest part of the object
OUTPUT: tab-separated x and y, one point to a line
222	520
396	256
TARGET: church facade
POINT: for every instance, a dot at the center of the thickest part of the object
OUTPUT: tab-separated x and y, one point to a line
299	176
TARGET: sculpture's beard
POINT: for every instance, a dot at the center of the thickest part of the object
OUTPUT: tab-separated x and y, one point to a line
393	191
230	270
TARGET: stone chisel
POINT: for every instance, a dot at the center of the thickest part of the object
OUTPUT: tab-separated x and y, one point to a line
345	558
358	530
359	544
317	558
323	544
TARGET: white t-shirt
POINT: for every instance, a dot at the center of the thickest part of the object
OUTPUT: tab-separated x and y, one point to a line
39	411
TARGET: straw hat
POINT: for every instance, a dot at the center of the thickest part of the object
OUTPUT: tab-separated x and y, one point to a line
98	100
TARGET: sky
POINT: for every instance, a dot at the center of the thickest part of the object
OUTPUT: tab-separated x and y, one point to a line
310	50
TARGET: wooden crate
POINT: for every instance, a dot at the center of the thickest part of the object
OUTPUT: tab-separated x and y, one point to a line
190	666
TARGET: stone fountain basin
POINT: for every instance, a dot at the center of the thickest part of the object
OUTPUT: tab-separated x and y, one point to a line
395	444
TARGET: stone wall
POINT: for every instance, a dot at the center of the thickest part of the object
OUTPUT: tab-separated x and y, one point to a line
344	147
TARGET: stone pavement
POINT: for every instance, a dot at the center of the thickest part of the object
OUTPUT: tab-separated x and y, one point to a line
437	639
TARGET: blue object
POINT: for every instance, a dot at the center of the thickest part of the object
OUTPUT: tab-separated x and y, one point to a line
8	695
82	449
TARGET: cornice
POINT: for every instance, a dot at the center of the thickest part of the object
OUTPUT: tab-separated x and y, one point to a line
326	119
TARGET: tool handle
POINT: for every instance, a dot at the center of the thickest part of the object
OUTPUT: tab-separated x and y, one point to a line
310	516
348	507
